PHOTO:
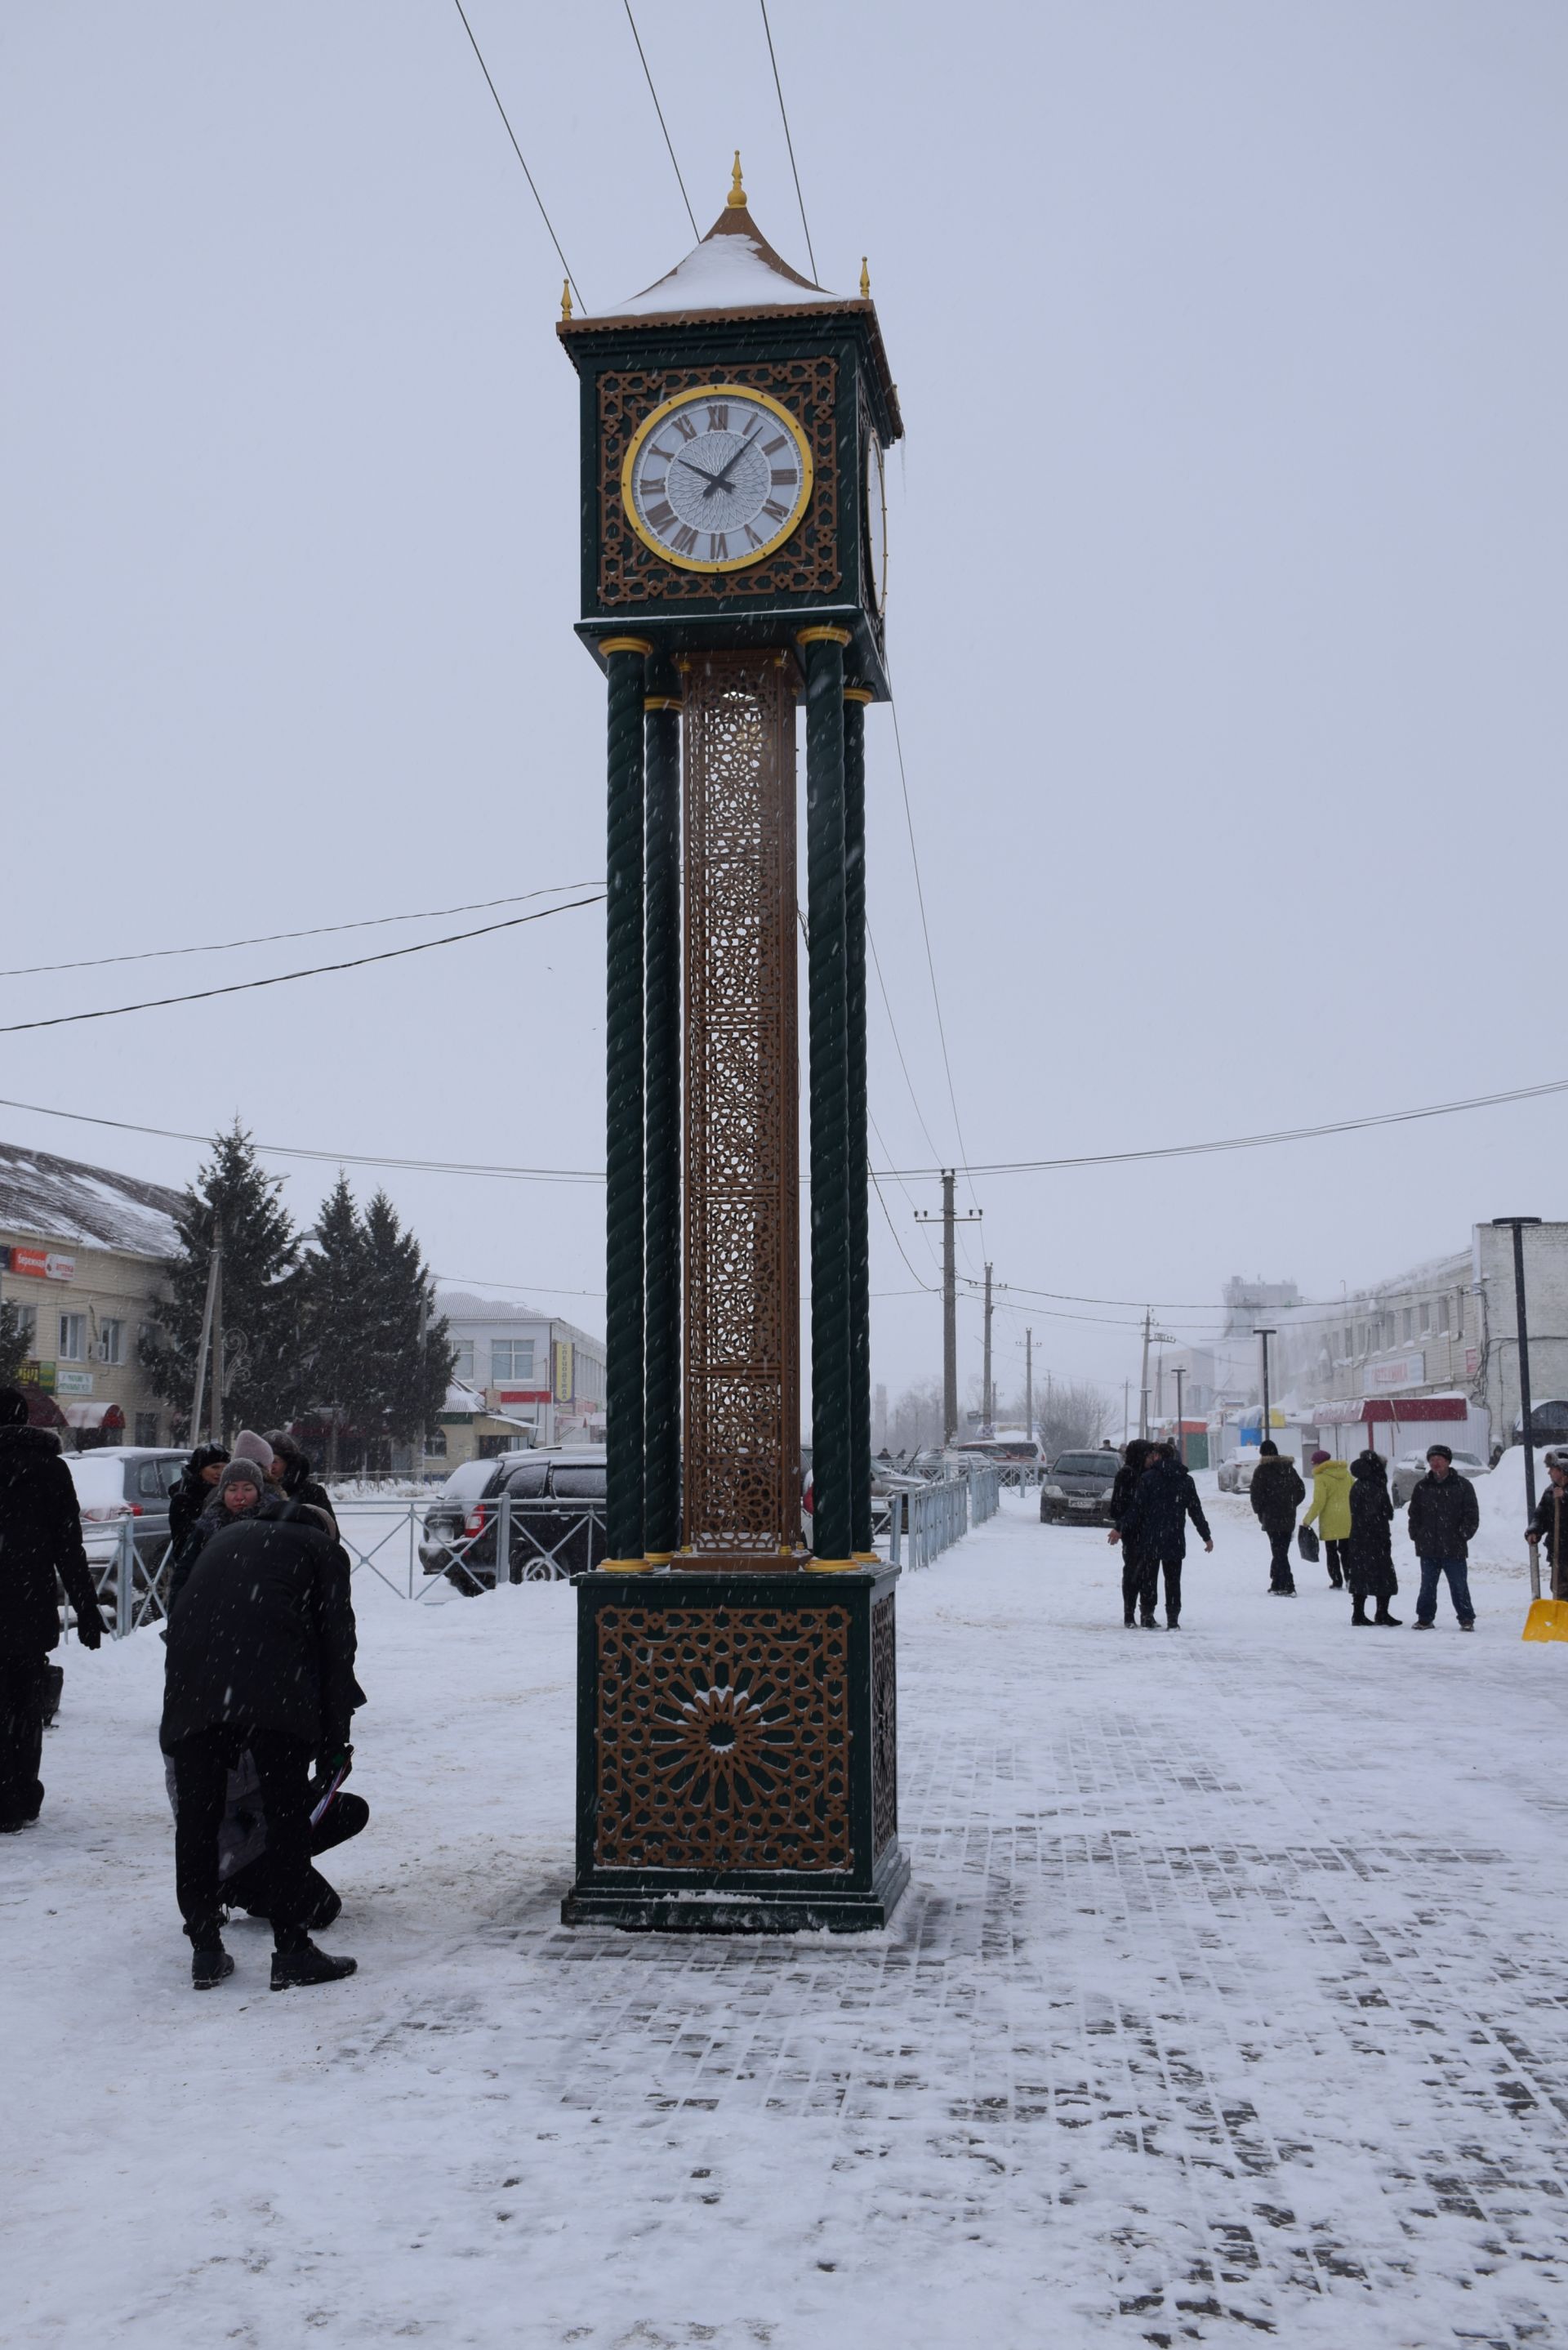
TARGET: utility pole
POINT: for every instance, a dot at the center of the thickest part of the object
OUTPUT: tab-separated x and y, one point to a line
1127	1407
1516	1225
1181	1374
1143	1376
987	1389
215	1425
949	1301
1029	1384
204	1347
1266	1426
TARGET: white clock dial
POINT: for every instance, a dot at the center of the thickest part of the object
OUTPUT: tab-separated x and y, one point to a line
717	478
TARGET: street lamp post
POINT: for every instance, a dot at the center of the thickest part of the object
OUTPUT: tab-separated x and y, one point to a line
1266	1427
1180	1423
1516	1225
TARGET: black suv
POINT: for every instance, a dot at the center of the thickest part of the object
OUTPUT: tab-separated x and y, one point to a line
555	1507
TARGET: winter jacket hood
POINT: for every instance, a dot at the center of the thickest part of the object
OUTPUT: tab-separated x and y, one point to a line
40	1538
1331	1500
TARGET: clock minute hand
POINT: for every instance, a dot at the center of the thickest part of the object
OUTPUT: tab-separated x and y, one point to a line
721	479
714	480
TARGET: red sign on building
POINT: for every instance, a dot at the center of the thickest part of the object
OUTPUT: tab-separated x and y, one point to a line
42	1265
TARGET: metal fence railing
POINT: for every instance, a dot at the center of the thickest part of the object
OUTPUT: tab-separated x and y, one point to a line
924	1522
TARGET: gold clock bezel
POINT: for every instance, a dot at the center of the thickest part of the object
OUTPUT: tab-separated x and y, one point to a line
689	399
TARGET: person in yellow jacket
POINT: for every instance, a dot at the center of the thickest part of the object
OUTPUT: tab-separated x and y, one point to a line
1331	1508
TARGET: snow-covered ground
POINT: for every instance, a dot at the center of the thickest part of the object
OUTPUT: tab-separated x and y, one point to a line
1225	1999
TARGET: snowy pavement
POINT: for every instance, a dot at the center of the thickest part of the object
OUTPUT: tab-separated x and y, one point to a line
1224	2003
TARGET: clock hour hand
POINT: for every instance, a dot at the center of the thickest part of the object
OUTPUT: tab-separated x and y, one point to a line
714	480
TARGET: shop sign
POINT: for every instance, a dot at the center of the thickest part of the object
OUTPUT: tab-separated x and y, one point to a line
41	1264
1472	1361
522	1395
38	1375
77	1383
1399	1371
565	1389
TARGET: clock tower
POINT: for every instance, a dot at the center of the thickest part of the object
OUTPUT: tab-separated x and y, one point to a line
737	1747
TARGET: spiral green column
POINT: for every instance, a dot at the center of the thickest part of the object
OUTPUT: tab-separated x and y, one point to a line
625	661
661	1398
858	1154
827	997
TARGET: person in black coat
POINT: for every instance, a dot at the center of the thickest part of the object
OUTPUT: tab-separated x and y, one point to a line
1368	1554
1444	1514
40	1540
1276	1494
1551	1524
195	1492
1139	1580
260	1661
290	1474
1156	1522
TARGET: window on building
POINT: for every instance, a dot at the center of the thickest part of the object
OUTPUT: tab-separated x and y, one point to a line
1361	1338
73	1337
1425	1317
435	1444
28	1315
147	1427
512	1358
1408	1320
111	1342
463	1368
1458	1324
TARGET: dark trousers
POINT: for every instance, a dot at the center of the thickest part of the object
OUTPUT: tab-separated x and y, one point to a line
1458	1580
22	1684
1334	1552
1172	1568
202	1767
1140	1584
1281	1577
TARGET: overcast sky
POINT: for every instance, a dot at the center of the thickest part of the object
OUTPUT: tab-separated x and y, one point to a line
1226	609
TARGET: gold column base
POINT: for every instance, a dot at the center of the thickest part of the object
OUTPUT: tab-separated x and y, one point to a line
623	1567
832	1565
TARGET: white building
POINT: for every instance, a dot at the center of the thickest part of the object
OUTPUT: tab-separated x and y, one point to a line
526	1378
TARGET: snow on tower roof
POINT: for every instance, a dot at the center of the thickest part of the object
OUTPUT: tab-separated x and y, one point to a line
733	268
62	1199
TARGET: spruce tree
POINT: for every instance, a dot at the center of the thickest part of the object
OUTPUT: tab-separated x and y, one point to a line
336	1323
260	1291
411	1354
15	1343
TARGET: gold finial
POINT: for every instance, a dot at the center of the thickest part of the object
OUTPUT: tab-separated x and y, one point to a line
865	280
566	297
735	201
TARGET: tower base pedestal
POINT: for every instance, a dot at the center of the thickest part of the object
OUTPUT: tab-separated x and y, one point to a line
737	1753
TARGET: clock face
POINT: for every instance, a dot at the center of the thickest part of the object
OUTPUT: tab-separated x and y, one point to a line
876	522
716	478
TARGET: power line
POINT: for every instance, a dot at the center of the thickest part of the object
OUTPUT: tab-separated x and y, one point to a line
789	142
276	938
897	1046
1251	1141
653	94
281	978
517	150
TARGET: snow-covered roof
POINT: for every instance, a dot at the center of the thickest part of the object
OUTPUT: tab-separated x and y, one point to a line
733	268
460	1397
62	1199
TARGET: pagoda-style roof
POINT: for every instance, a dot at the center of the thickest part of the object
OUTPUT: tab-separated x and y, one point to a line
735	274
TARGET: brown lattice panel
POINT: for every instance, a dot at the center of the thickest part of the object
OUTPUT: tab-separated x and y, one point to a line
884	1726
742	1320
723	1738
807	564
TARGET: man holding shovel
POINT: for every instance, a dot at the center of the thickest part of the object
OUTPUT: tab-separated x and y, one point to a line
1551	1520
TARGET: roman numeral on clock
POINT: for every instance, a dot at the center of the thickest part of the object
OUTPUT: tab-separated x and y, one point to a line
772	506
771	448
719	417
661	516
684	426
784	477
718	546
684	540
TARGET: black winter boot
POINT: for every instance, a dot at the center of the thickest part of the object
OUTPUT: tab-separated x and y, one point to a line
1383	1616
1358	1610
293	1969
209	1965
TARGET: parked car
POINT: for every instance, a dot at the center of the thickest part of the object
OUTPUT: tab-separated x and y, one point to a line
121	1482
1410	1467
556	1518
1235	1475
1078	1489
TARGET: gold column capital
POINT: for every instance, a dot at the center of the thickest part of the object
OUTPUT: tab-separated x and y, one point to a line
858	694
625	645
824	636
662	701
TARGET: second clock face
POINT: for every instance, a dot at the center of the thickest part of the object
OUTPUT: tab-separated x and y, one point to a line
716	478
